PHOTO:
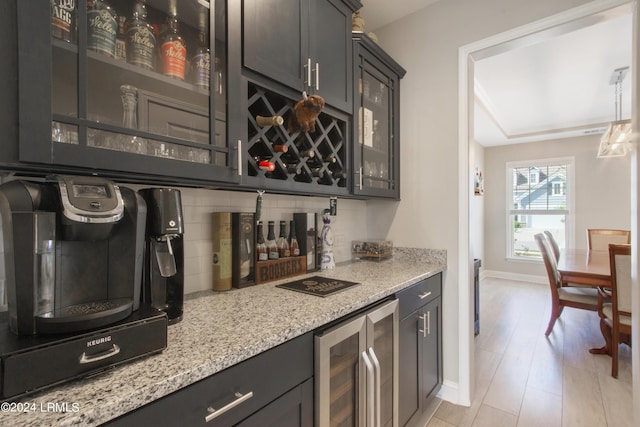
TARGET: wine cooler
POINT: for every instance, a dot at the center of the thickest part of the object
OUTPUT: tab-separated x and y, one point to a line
356	370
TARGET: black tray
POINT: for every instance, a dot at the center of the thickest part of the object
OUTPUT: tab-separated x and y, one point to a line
318	286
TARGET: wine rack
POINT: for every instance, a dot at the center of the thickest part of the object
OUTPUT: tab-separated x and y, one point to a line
313	158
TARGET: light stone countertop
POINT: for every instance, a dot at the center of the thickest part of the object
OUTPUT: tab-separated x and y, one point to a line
220	330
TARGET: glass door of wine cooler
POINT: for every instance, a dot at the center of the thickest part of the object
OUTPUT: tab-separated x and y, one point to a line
136	86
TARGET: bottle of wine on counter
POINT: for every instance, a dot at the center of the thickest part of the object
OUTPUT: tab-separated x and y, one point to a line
272	247
294	248
201	60
269	121
222	251
173	49
102	27
63	19
261	247
140	38
283	245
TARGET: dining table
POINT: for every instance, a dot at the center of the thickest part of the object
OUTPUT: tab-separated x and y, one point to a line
584	267
587	268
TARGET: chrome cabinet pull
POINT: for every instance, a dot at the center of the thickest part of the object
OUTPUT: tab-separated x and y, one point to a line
428	322
423	296
424	325
84	359
214	413
378	391
308	67
359	172
370	389
239	148
317	69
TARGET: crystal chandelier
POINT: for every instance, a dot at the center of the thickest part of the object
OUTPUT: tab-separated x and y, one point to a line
616	141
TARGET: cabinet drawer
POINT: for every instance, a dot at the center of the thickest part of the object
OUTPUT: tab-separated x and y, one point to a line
265	376
419	294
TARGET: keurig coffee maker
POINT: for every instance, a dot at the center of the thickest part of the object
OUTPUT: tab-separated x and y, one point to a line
164	252
77	251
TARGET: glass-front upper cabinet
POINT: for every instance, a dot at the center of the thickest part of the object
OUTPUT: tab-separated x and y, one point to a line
376	120
131	86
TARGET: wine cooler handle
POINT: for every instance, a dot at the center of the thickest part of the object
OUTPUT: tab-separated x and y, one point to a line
370	389
424	325
215	413
376	365
308	67
105	355
239	148
317	76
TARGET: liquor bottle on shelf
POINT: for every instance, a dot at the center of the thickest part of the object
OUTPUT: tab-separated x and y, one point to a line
63	19
265	164
173	49
201	60
140	38
102	27
269	121
121	39
283	245
294	248
272	246
261	247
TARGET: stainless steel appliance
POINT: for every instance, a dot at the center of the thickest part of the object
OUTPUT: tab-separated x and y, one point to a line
356	370
73	255
164	253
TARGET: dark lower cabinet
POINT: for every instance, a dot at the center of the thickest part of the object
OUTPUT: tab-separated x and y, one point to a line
274	388
420	350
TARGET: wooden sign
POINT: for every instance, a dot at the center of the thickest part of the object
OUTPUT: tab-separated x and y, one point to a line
276	269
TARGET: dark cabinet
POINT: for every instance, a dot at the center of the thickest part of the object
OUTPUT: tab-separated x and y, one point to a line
303	44
376	117
245	395
420	348
157	108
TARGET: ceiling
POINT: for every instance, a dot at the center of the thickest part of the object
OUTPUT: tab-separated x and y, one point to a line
552	87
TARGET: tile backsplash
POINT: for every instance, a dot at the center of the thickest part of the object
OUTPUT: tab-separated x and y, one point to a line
198	204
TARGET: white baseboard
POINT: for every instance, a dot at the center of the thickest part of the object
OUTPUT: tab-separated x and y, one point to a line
449	392
514	276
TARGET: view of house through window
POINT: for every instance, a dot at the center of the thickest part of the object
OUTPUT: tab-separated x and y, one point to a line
538	201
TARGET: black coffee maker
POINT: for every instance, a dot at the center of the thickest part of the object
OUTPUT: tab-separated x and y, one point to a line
164	252
76	256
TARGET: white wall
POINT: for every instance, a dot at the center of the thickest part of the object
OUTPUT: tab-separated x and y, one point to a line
426	44
602	195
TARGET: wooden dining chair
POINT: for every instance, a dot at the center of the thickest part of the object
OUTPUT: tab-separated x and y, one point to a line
585	298
615	314
598	239
554	244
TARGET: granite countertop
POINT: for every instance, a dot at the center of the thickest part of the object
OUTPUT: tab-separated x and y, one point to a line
220	330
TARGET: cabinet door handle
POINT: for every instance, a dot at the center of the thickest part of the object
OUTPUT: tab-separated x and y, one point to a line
317	76
104	355
424	325
214	413
359	172
376	366
308	67
370	389
428	322
239	157
423	296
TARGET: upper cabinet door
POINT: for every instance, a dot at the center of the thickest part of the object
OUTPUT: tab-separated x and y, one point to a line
302	44
274	40
331	53
130	87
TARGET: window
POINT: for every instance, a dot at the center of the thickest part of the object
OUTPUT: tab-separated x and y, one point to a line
538	200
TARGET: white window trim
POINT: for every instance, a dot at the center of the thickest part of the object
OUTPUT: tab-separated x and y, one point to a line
570	211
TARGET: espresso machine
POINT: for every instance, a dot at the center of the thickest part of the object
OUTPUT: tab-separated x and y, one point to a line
164	252
74	258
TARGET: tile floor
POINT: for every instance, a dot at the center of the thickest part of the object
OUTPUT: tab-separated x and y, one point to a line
524	379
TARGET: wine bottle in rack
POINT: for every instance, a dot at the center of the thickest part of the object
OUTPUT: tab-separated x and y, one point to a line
261	247
294	248
279	148
265	163
307	153
263	121
283	245
330	159
292	168
337	175
272	246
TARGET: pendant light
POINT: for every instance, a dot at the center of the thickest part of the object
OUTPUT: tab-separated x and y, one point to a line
616	141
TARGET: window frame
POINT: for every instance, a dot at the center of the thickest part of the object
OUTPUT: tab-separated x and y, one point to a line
569	190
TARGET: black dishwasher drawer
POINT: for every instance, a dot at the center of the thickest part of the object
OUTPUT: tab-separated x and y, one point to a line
417	295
